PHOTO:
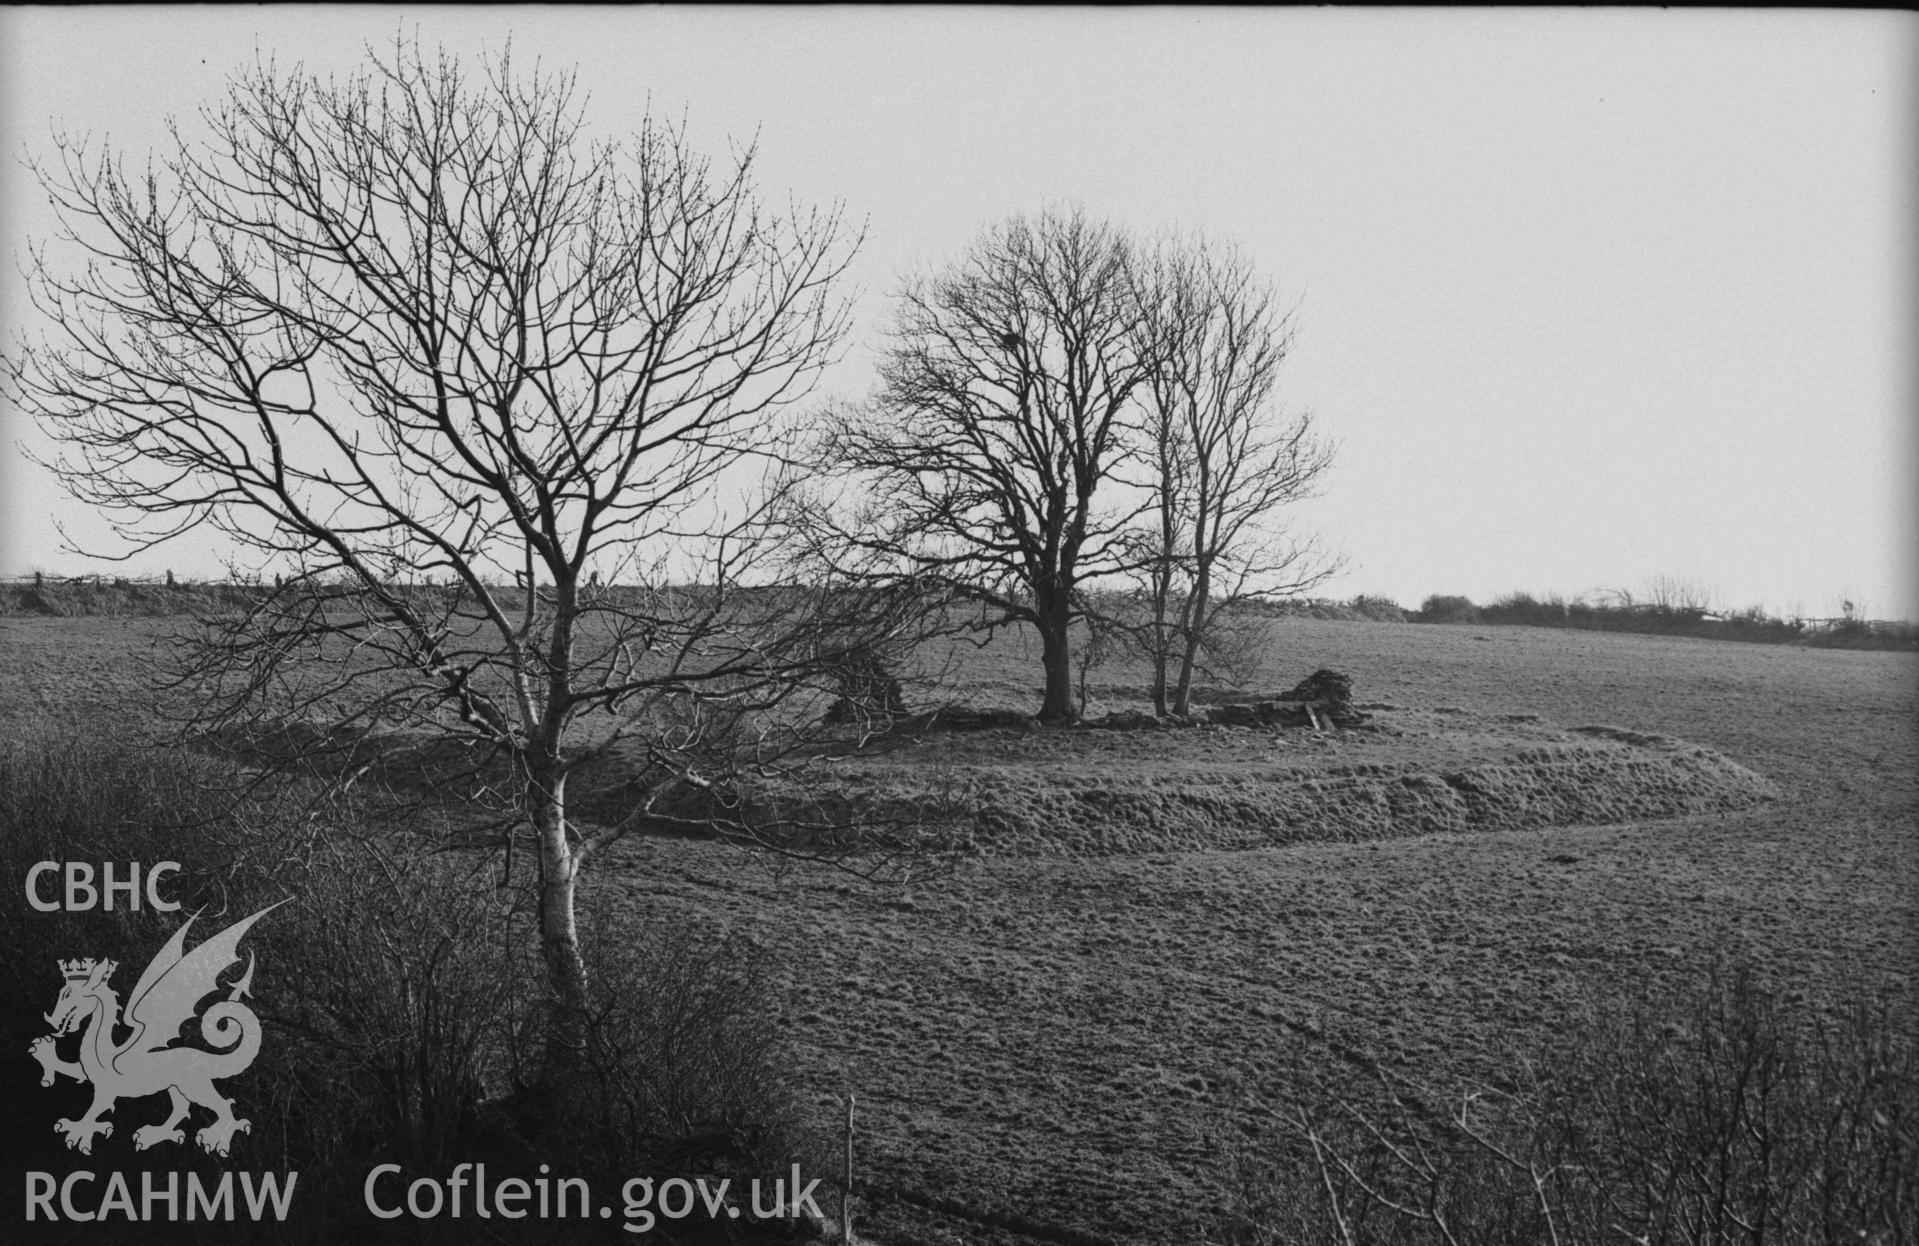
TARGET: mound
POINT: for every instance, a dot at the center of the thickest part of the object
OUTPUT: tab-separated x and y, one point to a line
1075	794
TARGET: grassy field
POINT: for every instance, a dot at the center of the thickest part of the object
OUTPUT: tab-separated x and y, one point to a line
1063	1047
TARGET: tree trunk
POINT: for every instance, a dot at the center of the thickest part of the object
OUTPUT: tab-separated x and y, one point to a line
1162	573
559	934
1183	691
1057	657
1162	644
1192	628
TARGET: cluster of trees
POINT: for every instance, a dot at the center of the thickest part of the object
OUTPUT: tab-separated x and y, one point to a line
418	324
1063	407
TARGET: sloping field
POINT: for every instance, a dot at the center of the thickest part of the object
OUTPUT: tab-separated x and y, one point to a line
1052	1045
1054	1048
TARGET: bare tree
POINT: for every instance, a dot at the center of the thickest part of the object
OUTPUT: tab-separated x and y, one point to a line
1671	594
1005	408
1224	463
481	386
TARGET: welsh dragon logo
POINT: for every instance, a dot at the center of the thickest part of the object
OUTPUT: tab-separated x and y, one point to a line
163	1000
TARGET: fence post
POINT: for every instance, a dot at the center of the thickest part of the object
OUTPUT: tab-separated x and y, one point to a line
846	1183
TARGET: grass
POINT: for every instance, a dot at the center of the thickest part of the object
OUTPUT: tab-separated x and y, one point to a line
1074	1041
1053	1048
1408	772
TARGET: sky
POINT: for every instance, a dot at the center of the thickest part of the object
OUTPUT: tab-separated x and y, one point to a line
1588	298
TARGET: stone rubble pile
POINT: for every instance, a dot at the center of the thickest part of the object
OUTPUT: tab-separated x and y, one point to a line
1323	698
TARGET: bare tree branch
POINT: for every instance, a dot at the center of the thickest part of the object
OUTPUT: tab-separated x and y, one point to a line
504	405
1224	464
1006	408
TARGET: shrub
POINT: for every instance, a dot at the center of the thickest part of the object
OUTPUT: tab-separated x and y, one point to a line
398	999
1443	609
1725	1119
687	1059
1523	608
1377	609
74	796
396	990
1855	633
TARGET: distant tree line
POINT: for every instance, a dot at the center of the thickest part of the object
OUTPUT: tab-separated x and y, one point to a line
1659	615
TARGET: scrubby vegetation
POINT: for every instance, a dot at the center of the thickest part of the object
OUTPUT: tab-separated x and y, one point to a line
1665	618
1726	1116
1365	608
1439	609
118	597
401	1019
